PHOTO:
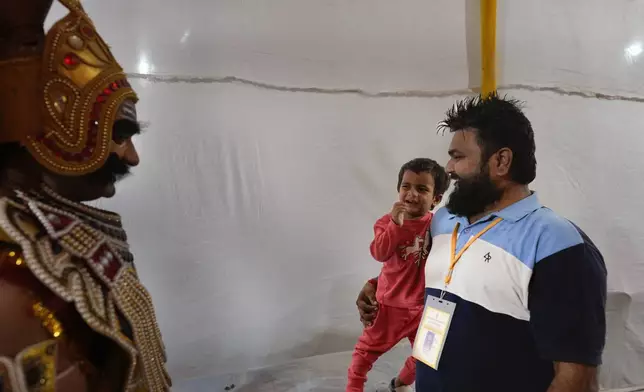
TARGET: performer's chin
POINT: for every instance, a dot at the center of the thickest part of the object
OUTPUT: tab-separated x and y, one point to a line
106	178
103	185
110	190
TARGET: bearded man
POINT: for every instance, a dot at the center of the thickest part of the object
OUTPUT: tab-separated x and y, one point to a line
74	315
515	294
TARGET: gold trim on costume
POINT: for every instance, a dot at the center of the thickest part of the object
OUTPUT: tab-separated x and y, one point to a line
48	319
37	366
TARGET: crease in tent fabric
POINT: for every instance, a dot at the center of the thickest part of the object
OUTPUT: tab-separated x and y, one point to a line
576	92
243	188
259	202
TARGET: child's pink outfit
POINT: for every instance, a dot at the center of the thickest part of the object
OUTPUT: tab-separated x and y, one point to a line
400	294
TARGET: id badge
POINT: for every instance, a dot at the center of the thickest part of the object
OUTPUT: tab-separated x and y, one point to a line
432	331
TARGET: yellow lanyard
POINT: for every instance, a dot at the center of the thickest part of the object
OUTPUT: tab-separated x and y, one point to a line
456	257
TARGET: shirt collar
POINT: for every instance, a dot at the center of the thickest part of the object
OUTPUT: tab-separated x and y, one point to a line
514	212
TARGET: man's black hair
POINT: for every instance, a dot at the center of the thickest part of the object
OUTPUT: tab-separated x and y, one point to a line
421	165
499	123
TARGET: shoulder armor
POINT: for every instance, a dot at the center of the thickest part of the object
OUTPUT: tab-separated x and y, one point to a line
83	265
16	218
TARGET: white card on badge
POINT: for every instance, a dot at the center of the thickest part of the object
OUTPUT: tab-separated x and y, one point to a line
432	331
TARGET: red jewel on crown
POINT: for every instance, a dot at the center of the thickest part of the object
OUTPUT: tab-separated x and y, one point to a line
87	31
71	60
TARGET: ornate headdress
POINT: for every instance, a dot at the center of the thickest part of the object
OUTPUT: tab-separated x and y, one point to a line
61	104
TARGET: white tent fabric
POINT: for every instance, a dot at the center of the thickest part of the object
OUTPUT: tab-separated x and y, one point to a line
252	210
265	243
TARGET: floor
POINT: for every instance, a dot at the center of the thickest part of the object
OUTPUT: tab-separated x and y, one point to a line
324	373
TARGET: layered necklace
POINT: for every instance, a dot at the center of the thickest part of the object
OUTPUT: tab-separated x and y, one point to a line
106	222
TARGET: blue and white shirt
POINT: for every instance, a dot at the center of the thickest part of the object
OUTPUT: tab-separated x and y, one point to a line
529	292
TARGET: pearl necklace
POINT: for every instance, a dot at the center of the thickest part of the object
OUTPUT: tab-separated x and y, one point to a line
108	223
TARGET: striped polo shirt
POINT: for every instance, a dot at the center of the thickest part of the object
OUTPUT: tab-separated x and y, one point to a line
528	292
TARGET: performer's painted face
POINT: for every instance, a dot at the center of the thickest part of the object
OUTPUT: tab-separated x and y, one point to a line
123	156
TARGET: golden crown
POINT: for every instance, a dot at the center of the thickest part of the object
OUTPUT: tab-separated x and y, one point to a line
75	89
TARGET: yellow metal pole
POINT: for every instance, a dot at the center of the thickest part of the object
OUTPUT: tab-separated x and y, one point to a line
488	47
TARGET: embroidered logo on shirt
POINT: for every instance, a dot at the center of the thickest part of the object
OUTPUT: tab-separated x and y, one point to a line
419	248
487	257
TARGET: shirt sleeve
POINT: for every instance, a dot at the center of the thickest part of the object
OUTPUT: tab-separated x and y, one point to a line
386	238
567	302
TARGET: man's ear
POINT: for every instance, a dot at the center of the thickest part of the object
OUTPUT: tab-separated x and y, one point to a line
503	162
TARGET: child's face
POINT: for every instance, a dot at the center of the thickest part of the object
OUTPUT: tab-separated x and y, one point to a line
417	192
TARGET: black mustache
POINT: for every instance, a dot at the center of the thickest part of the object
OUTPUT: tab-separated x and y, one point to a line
115	168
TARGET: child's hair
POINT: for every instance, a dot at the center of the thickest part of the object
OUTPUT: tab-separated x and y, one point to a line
420	165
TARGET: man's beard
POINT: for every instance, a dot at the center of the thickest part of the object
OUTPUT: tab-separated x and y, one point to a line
472	195
113	171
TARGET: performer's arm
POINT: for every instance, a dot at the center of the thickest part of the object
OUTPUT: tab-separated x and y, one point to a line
23	301
24	329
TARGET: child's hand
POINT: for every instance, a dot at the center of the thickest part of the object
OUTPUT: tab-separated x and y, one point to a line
398	213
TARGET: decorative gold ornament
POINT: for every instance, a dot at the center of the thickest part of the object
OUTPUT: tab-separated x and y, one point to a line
48	319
